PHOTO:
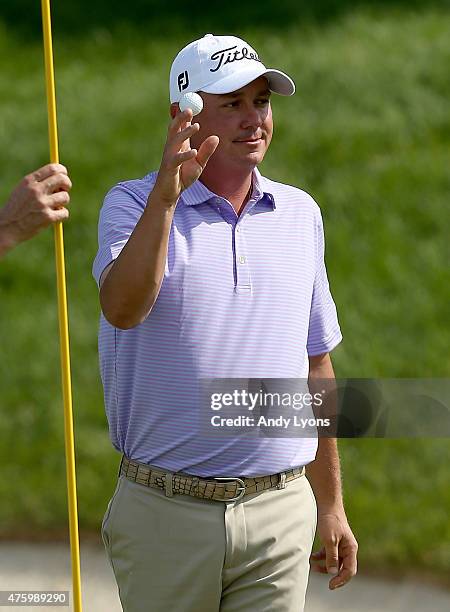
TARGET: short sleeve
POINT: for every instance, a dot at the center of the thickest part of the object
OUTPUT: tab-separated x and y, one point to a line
324	333
122	208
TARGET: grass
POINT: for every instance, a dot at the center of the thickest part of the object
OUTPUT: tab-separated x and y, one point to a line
367	135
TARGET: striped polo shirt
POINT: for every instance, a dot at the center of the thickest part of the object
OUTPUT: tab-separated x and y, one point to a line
242	297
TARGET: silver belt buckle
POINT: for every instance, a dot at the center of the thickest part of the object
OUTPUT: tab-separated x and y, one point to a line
241	488
281	480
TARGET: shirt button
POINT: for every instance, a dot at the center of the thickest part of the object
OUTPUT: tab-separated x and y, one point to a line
242	259
238	229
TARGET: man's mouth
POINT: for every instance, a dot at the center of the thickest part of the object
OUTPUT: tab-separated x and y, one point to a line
249	140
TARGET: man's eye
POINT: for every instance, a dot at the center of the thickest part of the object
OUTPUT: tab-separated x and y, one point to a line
235	103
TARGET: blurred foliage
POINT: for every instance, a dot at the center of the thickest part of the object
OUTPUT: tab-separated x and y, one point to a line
157	17
367	134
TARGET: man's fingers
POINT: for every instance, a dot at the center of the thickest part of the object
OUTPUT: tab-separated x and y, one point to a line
184	156
56	182
50	216
332	558
59	214
349	566
316	561
206	149
179	122
338	581
319	554
60	198
183	135
178	144
46	171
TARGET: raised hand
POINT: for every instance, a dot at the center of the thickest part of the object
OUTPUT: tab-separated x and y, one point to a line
181	165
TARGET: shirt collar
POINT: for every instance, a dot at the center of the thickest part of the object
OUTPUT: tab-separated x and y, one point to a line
198	193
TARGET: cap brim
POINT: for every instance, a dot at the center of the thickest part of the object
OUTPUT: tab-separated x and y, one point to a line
279	82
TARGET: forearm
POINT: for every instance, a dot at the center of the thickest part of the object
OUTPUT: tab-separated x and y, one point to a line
8	237
324	476
131	287
6	241
324	472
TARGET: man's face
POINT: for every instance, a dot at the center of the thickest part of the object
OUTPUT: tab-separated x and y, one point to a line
243	122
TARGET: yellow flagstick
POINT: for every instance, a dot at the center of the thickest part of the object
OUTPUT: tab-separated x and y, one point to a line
63	319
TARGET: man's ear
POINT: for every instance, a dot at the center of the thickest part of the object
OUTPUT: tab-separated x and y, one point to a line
174	108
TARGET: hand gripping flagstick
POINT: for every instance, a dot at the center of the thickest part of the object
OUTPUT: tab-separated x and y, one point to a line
63	320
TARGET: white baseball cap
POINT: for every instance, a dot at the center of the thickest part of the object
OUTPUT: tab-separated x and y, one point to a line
219	65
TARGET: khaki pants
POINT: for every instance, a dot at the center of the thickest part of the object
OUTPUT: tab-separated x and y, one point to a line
182	554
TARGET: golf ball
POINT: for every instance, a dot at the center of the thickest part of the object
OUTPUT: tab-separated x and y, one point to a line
191	100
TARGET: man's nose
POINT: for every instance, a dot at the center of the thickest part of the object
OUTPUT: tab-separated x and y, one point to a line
253	117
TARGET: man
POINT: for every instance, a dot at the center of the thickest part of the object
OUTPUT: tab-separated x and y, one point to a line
208	270
39	200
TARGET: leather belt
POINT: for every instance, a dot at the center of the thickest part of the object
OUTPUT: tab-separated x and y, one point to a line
216	489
